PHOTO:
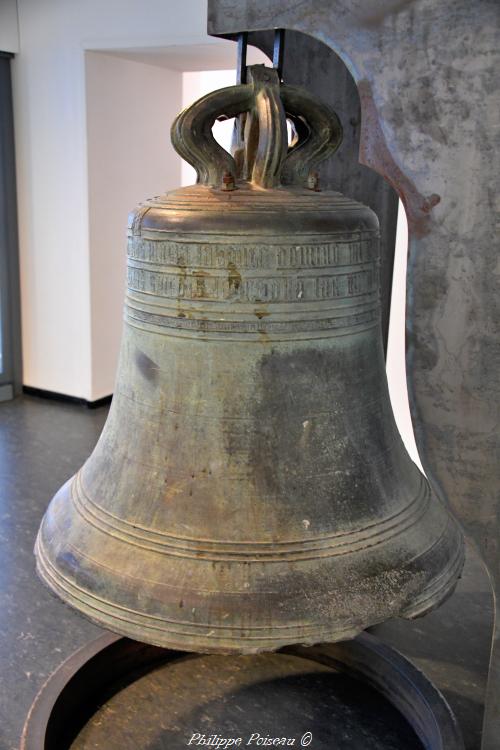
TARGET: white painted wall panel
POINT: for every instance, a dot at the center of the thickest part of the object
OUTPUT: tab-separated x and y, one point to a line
130	107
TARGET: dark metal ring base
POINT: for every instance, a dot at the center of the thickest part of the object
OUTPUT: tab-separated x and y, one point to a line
107	665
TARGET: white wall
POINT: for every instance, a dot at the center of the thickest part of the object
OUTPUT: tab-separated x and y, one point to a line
396	363
51	153
9	31
130	107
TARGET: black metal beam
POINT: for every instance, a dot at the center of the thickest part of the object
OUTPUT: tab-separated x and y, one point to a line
279	51
10	316
241	65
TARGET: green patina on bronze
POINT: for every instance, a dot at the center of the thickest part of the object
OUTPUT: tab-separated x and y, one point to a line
250	488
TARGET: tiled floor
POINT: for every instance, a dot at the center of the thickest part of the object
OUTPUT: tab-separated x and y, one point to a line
42	443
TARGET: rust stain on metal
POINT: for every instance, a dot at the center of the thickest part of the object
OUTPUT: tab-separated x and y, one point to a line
261	313
200	277
181	262
375	152
234	277
386	10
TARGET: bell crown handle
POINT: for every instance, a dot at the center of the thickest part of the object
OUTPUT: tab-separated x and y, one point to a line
268	161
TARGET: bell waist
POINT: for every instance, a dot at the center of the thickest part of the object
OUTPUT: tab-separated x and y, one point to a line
270	288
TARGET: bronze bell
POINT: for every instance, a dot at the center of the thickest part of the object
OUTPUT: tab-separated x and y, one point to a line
250	488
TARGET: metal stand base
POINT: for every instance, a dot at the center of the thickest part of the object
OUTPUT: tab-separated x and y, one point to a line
361	694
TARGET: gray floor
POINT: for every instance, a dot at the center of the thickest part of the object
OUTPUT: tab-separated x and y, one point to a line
42	443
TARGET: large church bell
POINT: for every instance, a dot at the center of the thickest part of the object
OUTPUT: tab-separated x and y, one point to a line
250	488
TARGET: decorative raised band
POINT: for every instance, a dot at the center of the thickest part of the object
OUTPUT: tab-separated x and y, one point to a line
330	545
446	581
230	285
348	249
333	324
181	632
133	622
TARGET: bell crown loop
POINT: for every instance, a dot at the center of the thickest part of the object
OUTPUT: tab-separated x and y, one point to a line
267	160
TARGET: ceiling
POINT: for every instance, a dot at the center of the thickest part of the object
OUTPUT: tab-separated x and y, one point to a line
219	55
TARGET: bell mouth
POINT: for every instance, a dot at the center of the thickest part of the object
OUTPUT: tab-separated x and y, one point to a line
100	576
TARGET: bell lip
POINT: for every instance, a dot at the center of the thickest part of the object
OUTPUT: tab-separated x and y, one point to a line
436	595
429	599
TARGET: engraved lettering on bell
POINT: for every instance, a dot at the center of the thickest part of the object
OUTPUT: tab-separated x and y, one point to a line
250	488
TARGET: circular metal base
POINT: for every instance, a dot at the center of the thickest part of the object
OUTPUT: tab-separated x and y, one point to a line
358	695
